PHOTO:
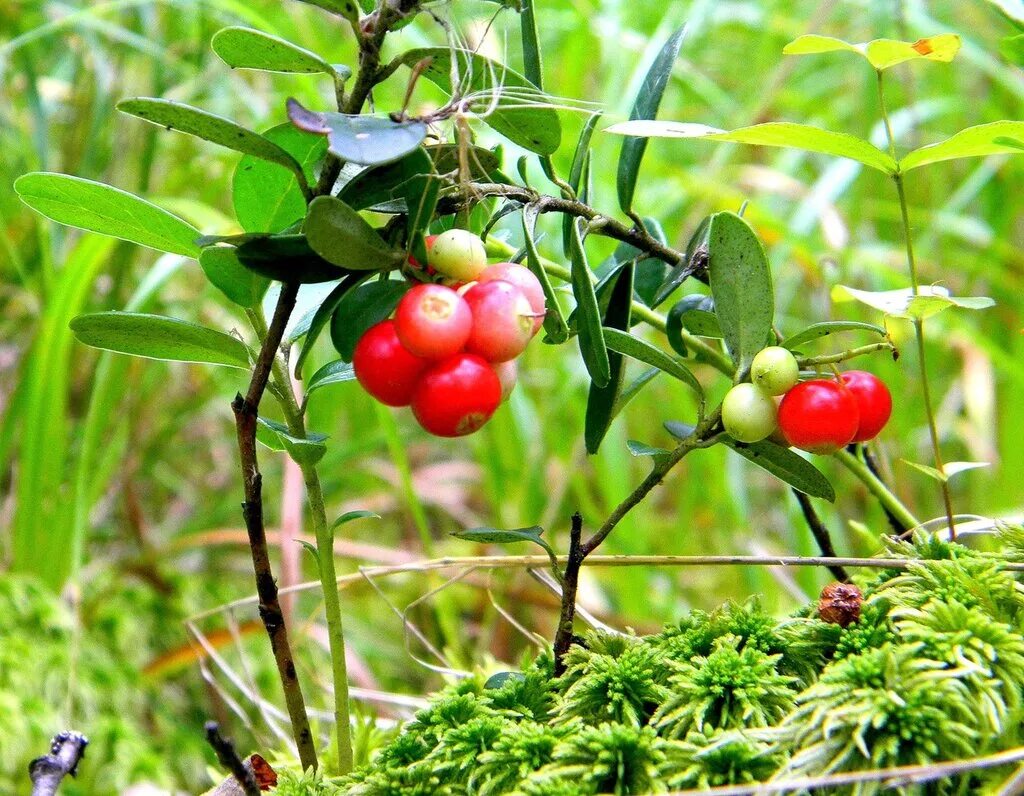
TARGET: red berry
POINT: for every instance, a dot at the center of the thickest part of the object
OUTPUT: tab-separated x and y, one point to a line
384	367
873	400
456	396
433	321
508	375
819	416
502	320
428	241
523	278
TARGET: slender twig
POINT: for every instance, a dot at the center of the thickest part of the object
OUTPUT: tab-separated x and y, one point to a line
228	757
821	535
246	411
842	356
46	772
922	365
570	581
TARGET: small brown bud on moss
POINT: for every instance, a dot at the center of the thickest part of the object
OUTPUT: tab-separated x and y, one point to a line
840	604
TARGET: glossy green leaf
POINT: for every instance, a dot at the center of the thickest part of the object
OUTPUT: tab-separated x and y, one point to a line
787	466
995	138
579	161
818	330
776	134
335	372
741	284
107	210
209	127
949	470
348	9
641	350
322	317
367	140
643	449
358	514
343	237
694	313
591	334
303	450
360	309
521	112
267	197
601	401
533	65
555	327
243	286
286	258
384	183
646	107
159	337
903	303
247	48
881	53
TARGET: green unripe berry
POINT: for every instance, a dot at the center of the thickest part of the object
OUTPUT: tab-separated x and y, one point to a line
748	413
458	254
775	370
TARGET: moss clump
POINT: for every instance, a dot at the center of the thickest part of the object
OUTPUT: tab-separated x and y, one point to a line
933	670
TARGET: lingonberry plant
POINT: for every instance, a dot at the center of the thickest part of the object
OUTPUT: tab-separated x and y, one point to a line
397	211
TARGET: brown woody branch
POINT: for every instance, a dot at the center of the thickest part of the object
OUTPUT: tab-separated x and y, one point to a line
228	757
46	772
570	581
821	535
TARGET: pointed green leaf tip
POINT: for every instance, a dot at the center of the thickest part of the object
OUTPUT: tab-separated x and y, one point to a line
881	53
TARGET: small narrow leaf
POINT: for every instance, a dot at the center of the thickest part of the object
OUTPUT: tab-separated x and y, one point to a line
322	317
881	53
358	514
646	107
818	330
974	142
641	350
243	286
495	536
343	237
507	101
159	337
930	300
360	309
533	66
303	450
287	258
367	140
591	335
555	327
601	401
741	284
949	470
579	161
209	127
643	449
332	373
787	466
694	313
107	210
246	48
776	134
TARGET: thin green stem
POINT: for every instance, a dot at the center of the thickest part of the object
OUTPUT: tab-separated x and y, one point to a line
933	432
842	356
877	488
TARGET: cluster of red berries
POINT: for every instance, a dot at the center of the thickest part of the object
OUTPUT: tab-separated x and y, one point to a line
449	351
818	416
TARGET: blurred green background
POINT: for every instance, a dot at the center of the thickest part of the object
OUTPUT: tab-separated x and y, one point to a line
124	473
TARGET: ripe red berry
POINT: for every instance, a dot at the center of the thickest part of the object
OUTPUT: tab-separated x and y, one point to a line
433	321
384	367
502	320
873	400
523	278
456	396
819	416
508	375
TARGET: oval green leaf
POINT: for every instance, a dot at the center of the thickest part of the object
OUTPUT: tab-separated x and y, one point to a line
741	284
241	285
974	142
601	401
287	258
332	373
881	53
159	337
107	210
360	309
209	127
818	330
343	237
787	466
306	450
247	48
